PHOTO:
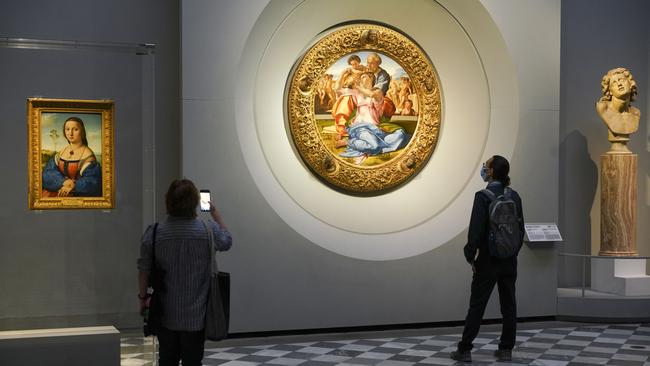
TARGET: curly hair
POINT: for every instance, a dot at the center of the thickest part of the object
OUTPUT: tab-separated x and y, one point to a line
604	83
354	58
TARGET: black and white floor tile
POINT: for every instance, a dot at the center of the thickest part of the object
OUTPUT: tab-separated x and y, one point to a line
621	344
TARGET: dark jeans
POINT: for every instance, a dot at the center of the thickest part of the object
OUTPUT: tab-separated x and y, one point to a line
176	345
491	271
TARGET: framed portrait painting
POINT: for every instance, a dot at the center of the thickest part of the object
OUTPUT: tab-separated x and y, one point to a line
364	108
70	146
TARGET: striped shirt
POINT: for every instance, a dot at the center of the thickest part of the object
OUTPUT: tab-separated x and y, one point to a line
182	252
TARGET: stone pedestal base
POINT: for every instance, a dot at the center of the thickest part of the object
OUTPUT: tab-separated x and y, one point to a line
618	204
625	277
96	346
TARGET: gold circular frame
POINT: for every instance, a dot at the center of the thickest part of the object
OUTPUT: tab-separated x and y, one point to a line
310	143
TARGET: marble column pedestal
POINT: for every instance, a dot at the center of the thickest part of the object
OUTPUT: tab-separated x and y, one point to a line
618	204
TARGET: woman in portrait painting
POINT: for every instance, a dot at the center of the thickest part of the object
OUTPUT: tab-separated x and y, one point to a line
365	136
73	171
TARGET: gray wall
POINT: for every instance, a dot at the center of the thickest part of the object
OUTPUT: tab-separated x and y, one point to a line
76	268
282	280
67	267
592	45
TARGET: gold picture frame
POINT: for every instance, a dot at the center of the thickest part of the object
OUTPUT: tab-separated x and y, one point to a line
70	146
340	117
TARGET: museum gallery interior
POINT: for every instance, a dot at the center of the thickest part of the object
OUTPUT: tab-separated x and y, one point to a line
342	142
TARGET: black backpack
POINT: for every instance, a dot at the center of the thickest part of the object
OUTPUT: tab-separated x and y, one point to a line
505	237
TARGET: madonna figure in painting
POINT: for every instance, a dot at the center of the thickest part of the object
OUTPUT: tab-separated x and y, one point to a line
365	135
73	171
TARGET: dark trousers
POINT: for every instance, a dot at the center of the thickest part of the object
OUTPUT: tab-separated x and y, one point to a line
491	271
176	345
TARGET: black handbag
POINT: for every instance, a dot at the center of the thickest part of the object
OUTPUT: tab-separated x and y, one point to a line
154	309
217	314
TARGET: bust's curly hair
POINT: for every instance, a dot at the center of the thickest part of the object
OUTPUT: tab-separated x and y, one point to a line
604	83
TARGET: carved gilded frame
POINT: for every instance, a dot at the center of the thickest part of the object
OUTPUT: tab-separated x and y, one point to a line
312	145
41	112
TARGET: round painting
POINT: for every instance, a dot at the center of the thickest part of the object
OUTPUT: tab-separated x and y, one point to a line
364	108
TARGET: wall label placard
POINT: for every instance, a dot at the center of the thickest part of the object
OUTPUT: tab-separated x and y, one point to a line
543	232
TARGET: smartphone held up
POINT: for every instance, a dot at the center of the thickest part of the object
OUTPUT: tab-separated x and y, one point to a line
205	200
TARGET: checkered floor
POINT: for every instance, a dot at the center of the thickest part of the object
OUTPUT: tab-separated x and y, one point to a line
624	344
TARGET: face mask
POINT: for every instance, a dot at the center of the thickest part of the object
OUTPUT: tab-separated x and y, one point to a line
484	173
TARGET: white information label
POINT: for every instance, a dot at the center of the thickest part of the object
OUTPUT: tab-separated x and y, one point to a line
543	232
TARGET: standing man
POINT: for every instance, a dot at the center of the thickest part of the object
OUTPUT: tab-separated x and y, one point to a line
491	266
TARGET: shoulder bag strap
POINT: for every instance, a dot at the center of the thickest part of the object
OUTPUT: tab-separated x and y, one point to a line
211	239
490	195
153	248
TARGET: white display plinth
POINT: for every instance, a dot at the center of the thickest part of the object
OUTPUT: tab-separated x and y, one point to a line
625	277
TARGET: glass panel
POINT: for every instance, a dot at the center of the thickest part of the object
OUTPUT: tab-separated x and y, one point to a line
75	267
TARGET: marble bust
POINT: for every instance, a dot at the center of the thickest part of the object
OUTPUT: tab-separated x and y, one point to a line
622	119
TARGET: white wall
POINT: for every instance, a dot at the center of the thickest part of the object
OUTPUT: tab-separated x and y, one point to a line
282	279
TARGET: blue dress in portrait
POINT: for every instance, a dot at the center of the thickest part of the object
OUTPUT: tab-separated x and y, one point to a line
88	179
366	138
365	135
